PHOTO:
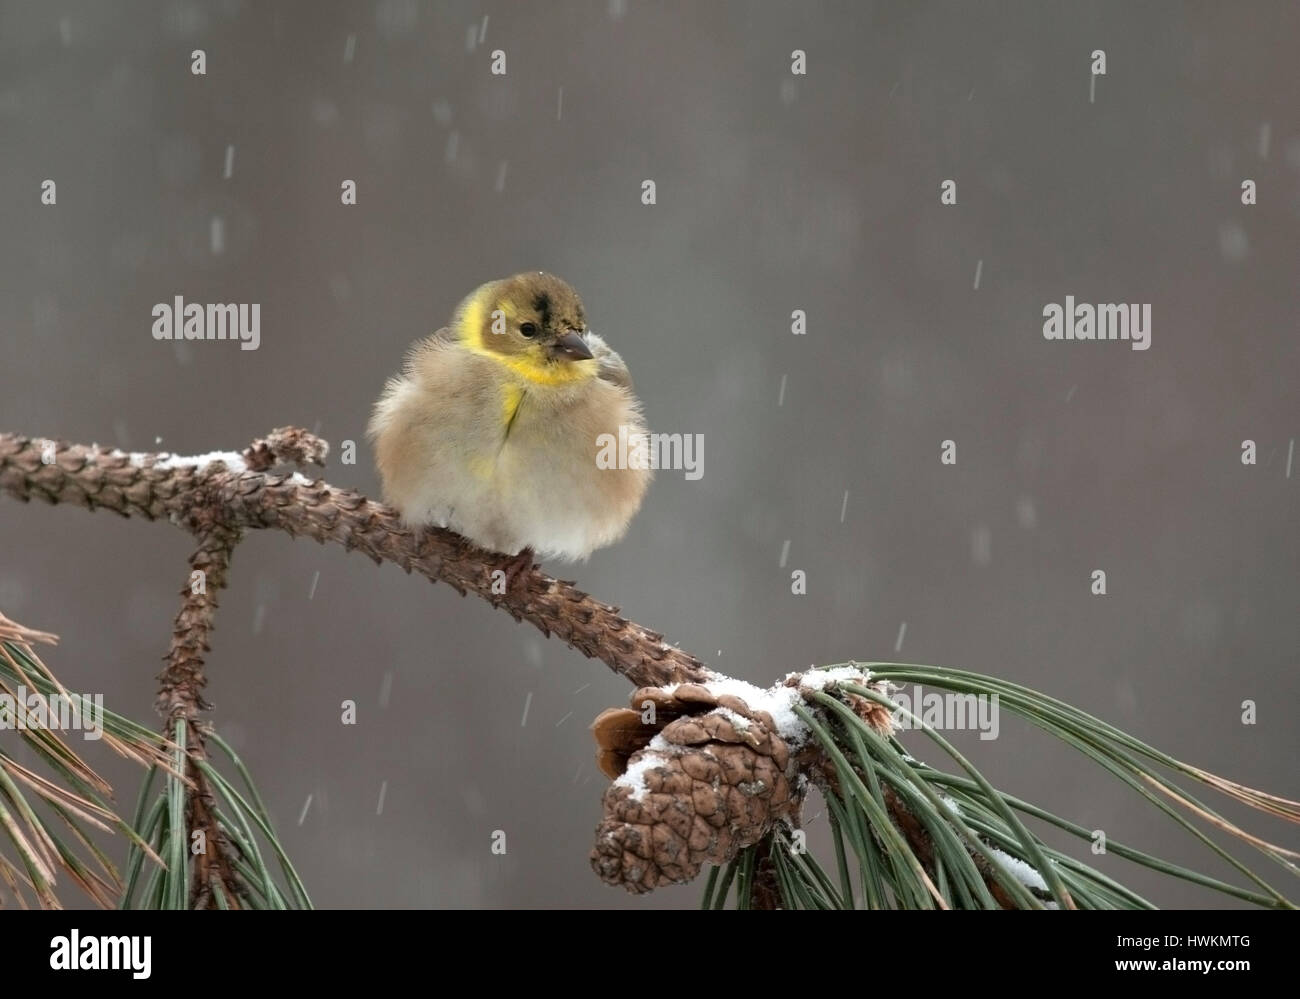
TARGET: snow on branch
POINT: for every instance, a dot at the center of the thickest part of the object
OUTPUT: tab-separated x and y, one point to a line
238	491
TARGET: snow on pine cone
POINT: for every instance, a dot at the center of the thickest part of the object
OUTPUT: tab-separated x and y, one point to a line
699	777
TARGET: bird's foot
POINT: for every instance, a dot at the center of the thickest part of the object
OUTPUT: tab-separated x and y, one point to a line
516	568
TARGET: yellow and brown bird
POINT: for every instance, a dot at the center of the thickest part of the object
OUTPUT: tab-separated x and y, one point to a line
494	426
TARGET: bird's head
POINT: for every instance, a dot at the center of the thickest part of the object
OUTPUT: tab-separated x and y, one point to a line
532	323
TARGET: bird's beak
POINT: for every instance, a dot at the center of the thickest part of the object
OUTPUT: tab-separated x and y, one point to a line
571	347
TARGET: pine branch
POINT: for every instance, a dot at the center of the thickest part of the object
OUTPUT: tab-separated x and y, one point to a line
233	492
708	782
180	699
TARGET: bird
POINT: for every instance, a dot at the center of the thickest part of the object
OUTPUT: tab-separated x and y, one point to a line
494	427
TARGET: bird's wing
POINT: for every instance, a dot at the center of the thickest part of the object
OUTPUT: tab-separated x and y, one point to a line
445	337
611	366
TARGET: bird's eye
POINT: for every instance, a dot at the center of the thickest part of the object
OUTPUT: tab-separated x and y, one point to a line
528	330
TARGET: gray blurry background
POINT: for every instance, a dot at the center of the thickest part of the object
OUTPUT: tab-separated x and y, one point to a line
775	193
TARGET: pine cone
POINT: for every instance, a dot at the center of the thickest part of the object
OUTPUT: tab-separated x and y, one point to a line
700	776
704	777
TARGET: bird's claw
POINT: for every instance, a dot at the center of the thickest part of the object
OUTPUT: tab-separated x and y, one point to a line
517	567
